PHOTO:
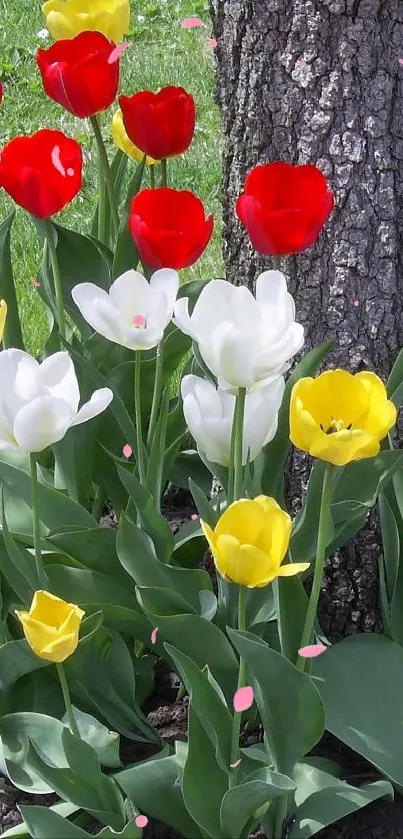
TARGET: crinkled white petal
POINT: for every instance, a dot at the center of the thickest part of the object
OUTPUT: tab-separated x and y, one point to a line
99	401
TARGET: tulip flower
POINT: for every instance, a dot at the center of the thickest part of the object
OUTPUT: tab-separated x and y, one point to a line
66	18
169	227
81	74
250	541
134	313
42	173
39	402
122	141
339	417
3	317
209	414
51	626
160	124
243	340
284	207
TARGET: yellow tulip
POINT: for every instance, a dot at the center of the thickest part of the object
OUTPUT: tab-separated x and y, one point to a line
51	626
66	18
250	541
3	316
339	417
123	142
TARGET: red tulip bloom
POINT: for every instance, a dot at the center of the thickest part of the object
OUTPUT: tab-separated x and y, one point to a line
169	227
284	207
160	124
42	172
81	73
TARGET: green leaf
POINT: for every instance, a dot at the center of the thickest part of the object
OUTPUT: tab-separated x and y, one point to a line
395	381
204	783
17	564
187	465
126	254
16	732
305	530
16	660
93	548
206	703
291	606
275	453
289	703
85	766
104	742
44	823
153	787
12	334
361	682
241	802
204	506
322	799
391	543
150	519
63	809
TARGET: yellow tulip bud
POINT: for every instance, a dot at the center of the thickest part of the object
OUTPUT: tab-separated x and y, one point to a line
123	142
66	18
51	626
3	316
250	541
339	417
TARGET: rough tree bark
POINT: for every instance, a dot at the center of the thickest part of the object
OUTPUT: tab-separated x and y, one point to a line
319	81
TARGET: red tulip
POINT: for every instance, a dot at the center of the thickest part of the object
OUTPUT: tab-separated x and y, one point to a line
284	207
81	73
169	227
160	124
42	172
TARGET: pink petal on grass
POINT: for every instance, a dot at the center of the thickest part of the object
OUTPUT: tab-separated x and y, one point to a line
212	42
141	821
234	765
127	450
191	23
243	698
34	282
312	650
117	52
154	635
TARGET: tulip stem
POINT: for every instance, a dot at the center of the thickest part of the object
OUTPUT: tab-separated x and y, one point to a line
152	177
137	408
67	700
231	468
105	169
36	525
237	718
164	172
238	447
324	514
56	280
159	370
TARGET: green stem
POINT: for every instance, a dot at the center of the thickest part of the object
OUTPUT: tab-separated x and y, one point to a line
281	815
326	498
36	526
102	234
236	722
231	468
164	172
137	408
104	163
99	503
239	418
152	176
56	280
159	370
67	701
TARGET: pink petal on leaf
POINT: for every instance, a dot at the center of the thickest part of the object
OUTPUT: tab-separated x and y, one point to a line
243	698
191	22
127	450
312	650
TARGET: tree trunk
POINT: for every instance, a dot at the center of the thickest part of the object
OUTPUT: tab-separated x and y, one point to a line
319	81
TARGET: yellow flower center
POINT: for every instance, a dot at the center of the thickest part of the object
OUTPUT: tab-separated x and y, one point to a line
336	425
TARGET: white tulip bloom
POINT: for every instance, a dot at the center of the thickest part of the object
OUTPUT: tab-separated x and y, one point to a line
39	402
134	313
243	340
209	414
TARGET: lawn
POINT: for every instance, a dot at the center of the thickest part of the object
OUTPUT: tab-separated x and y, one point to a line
162	53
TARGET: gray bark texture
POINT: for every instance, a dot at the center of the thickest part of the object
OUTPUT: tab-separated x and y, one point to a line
319	81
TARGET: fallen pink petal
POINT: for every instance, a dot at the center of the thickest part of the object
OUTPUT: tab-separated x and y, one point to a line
243	699
234	765
127	450
192	23
312	650
34	282
154	635
212	42
141	821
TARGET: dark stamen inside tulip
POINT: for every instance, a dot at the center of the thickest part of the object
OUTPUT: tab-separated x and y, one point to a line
336	425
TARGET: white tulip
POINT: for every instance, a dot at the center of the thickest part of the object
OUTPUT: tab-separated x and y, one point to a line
209	414
39	402
134	313
243	340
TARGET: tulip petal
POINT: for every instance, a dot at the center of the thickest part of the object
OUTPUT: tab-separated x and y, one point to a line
130	294
56	375
49	609
41	422
99	401
229	353
291	569
60	649
166	283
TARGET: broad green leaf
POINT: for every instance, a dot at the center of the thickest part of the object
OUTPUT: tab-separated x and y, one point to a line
150	519
85	765
289	703
188	464
275	453
44	823
12	334
305	530
361	682
153	787
291	606
126	254
16	732
204	506
190	545
204	783
206	703
104	742
395	381
390	543
16	660
241	802
93	548
17	564
64	809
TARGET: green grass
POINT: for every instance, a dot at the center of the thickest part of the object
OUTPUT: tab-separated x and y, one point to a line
162	53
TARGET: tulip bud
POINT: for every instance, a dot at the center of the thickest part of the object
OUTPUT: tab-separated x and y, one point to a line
123	142
67	18
161	124
51	626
